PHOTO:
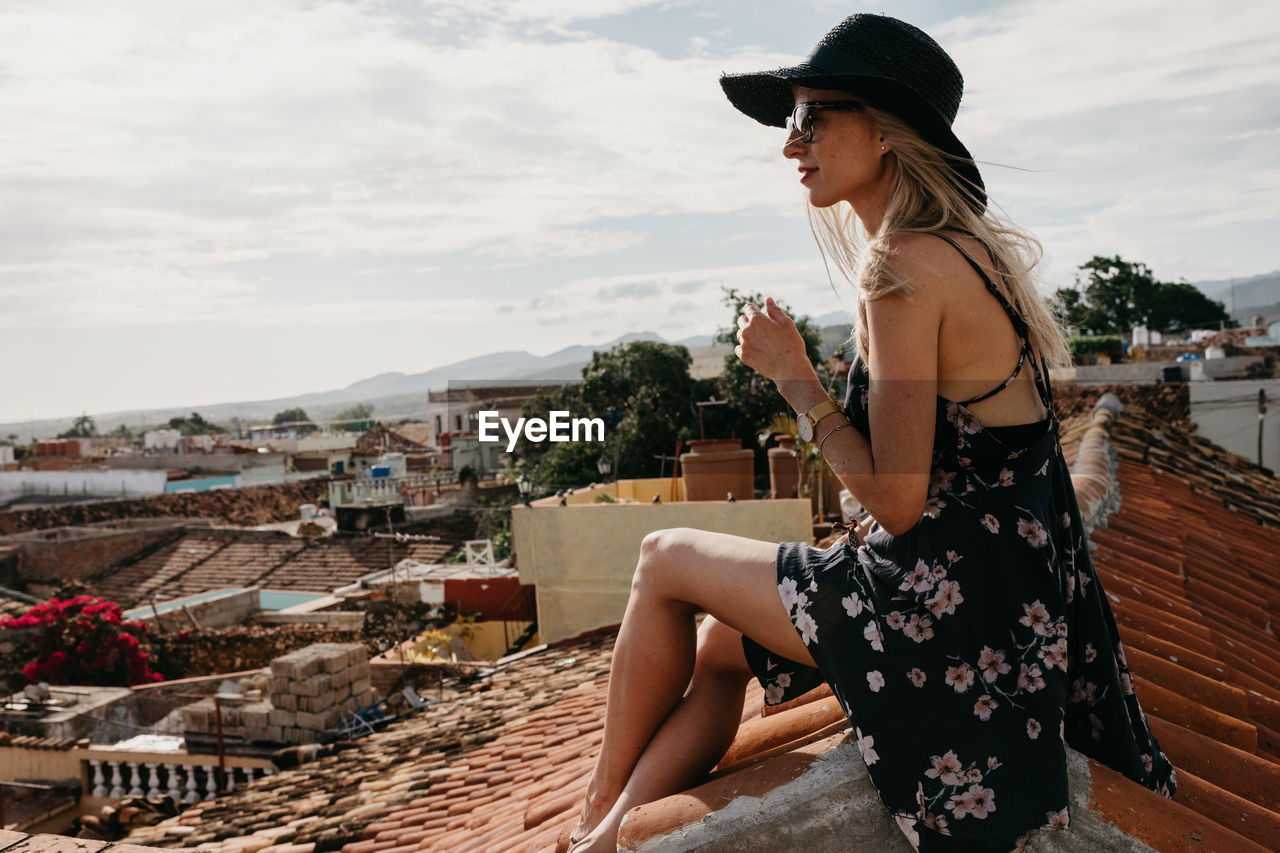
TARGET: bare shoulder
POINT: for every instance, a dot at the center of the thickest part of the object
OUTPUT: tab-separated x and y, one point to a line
929	260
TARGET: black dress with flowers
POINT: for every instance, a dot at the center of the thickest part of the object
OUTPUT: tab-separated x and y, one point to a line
969	650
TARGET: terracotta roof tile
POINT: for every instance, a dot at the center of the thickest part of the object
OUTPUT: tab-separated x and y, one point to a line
1186	541
1165	825
18	842
222	558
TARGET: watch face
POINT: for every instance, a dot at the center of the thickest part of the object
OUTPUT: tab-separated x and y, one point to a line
804	426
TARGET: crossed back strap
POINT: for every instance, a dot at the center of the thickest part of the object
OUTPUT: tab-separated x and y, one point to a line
1020	328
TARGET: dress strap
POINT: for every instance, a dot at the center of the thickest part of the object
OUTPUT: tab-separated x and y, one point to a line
1039	377
1019	324
1022	357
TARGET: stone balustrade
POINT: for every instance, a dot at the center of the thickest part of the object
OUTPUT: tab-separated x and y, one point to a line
111	775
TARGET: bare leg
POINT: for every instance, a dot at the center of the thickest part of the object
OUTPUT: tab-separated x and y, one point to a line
692	738
680	573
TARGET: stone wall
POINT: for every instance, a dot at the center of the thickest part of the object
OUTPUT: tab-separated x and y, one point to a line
85	555
247	506
186	654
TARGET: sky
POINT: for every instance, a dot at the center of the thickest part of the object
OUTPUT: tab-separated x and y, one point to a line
204	202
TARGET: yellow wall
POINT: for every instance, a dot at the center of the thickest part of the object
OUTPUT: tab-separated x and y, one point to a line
31	765
581	557
488	640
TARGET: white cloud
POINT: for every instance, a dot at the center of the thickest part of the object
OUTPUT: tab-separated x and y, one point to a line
1148	126
236	132
687	302
314	164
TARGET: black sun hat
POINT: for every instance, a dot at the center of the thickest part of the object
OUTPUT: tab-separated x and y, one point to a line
892	64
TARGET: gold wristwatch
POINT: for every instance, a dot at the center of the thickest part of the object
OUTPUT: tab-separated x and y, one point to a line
806	422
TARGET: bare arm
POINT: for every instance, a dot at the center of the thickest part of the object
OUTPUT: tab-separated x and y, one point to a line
893	483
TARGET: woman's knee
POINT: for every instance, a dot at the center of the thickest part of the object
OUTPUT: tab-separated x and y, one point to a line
658	544
655	564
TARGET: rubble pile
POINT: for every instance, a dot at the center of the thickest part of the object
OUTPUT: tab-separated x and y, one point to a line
116	820
210	651
1167	401
249	505
315	688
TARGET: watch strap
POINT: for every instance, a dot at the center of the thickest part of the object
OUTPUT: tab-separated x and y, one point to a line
820	411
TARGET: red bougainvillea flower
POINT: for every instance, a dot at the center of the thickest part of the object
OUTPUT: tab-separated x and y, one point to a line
80	640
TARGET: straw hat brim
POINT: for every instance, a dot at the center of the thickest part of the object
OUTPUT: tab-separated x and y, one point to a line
767	98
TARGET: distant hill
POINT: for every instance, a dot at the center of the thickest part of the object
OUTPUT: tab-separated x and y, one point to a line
1258	290
1269	314
394	395
398	395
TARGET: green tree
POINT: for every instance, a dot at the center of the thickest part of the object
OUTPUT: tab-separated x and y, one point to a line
555	464
1180	306
83	427
645	388
295	417
195	424
1116	295
641	390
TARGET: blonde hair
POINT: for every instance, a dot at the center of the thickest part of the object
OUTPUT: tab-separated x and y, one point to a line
927	196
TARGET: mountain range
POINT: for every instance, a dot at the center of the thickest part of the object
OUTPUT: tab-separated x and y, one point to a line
397	396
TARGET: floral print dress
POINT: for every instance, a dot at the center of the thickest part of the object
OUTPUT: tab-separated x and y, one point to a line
970	650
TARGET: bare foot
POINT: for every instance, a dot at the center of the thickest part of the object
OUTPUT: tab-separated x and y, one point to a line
594	809
602	839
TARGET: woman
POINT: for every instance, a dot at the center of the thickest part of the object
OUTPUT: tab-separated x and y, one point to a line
963	628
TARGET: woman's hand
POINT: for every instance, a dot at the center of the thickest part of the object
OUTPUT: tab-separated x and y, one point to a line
770	344
860	531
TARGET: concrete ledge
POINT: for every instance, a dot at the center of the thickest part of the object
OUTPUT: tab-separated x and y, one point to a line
1094	473
349	620
819	798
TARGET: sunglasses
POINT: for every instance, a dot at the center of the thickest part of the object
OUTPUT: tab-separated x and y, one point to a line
800	122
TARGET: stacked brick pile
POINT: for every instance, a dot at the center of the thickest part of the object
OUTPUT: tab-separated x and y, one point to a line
315	688
312	690
244	714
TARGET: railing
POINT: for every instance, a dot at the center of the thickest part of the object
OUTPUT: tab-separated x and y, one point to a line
519	618
347	492
184	777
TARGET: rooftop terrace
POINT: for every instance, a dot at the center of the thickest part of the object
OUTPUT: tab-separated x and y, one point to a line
1187	543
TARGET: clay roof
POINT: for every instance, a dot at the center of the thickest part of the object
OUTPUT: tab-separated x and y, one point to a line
1188	556
417	433
221	559
27	805
378	440
18	842
504	744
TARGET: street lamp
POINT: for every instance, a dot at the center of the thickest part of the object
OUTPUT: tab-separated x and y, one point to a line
525	484
702	404
604	466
